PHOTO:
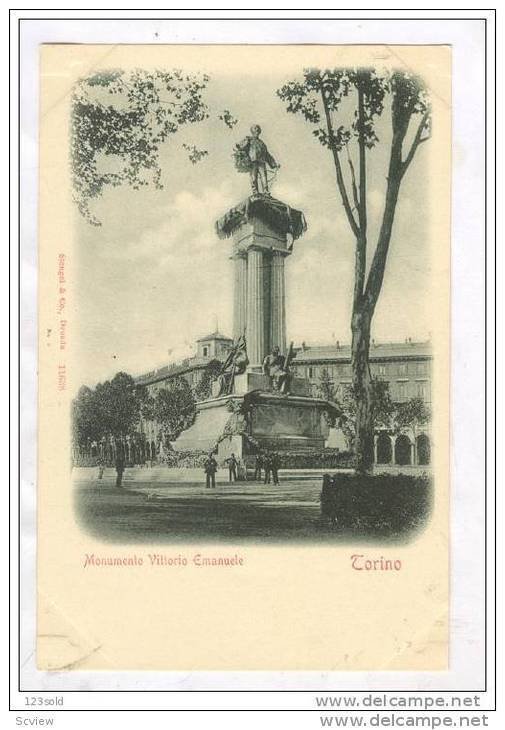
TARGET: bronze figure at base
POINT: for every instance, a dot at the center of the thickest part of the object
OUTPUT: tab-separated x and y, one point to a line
276	367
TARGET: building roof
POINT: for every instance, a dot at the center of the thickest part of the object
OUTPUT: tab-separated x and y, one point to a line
215	336
378	351
304	355
170	371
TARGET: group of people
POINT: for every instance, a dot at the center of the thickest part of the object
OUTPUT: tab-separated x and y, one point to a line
266	468
236	470
267	463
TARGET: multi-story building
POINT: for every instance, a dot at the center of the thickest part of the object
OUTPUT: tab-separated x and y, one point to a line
213	347
406	366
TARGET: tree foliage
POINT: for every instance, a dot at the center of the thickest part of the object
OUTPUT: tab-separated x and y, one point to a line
112	408
116	407
325	99
412	414
119	121
203	388
174	408
326	388
85	425
382	410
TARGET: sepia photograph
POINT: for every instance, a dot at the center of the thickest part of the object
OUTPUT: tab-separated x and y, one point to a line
252	276
244	357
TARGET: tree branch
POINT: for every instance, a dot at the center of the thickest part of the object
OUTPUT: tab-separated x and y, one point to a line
376	274
362	164
417	141
396	171
361	244
338	170
353	179
160	101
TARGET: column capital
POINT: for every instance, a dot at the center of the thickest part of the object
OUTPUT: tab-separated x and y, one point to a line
276	215
238	253
266	249
281	253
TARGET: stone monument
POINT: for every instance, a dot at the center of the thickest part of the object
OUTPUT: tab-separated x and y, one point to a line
256	403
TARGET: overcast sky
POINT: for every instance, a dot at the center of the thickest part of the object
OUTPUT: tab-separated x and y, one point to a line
155	277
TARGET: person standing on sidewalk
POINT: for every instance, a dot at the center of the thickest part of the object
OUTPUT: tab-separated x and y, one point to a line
120	463
258	466
275	464
232	468
267	465
210	468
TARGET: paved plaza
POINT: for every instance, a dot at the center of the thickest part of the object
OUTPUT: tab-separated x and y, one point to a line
154	510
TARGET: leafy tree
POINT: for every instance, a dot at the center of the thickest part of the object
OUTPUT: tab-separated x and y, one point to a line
203	388
145	402
325	388
174	408
363	94
412	414
85	422
383	409
118	405
112	408
120	120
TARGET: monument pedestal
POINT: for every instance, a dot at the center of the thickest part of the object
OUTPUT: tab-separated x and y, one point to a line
255	380
244	424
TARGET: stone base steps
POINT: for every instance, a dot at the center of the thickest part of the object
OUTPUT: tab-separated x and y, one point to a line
170	475
143	474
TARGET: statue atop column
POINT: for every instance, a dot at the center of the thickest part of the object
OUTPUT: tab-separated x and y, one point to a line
263	231
252	156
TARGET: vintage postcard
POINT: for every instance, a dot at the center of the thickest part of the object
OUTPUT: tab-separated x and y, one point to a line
244	259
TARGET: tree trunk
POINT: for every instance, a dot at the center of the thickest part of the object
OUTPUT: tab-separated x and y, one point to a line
362	387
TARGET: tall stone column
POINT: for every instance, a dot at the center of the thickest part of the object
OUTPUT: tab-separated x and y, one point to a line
277	302
239	295
255	331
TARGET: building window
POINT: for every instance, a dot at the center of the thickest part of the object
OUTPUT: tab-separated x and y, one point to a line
402	368
401	390
421	390
421	368
205	351
382	369
311	372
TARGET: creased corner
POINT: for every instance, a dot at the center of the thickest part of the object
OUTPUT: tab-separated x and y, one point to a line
61	646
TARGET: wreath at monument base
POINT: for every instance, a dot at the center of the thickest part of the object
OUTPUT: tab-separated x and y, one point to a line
238	422
278	215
